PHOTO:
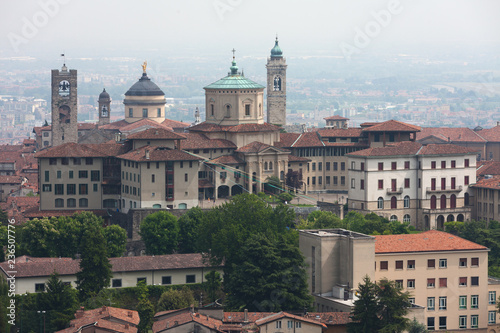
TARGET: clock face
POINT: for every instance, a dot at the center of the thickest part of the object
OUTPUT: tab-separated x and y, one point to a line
64	88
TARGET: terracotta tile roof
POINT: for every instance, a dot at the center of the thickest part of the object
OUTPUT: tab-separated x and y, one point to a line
115	125
293	158
347	144
488	168
201	141
429	241
239	317
11	148
158	154
146	123
400	148
68	266
107	318
286	139
308	139
491	183
184	318
280	315
330	318
341	132
208	127
11	180
175	124
336	117
414	148
392	126
491	134
80	150
226	159
156	134
444	149
256	147
460	134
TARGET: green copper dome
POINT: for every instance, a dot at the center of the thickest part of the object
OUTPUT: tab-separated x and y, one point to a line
276	51
234	80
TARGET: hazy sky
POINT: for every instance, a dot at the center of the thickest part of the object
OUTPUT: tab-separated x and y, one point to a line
97	28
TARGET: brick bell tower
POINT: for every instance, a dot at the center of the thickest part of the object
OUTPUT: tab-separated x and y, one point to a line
276	87
64	106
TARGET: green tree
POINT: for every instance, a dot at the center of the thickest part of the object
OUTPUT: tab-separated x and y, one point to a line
160	233
4	218
95	268
270	277
145	308
3	241
394	305
273	185
364	314
175	299
380	307
294	179
189	223
39	237
116	240
213	284
59	301
416	327
4	303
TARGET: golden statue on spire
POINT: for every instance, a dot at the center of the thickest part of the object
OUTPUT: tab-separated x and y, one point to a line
144	65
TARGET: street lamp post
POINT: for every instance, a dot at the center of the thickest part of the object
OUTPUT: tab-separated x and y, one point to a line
43	315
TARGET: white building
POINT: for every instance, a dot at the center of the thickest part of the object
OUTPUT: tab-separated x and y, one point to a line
409	182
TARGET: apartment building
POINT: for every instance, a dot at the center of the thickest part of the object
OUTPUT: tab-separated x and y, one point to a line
487	198
447	276
408	182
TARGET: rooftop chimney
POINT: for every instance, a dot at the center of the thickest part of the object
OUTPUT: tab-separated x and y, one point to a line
147	154
245	318
130	314
79	313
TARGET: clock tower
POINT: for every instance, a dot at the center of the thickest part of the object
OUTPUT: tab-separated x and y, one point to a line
276	87
64	106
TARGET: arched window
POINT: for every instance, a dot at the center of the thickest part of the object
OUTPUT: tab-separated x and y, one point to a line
453	201
406	218
466	199
407	202
380	203
394	218
71	202
59	203
394	203
83	202
282	175
270	165
265	165
443	202
433	202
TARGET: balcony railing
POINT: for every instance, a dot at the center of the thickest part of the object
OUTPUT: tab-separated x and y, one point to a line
463	209
445	189
397	190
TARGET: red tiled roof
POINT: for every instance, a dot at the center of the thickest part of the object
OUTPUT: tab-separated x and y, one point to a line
445	149
201	141
115	125
76	150
460	134
256	147
491	134
351	132
491	183
11	148
429	241
293	158
107	318
286	139
158	154
331	318
239	317
146	123
156	134
392	126
488	168
11	180
175	123
226	159
186	317
208	127
400	148
308	139
336	117
280	315
68	266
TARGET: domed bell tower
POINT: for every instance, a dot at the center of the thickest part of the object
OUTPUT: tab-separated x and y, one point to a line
276	87
104	108
64	106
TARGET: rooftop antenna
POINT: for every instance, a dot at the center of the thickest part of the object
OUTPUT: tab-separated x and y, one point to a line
64	58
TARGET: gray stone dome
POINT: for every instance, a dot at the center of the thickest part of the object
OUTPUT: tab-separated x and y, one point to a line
144	87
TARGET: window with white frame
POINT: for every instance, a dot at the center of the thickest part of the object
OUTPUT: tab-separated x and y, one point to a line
462	322
443	263
406	201
431	303
474	301
462	302
410	284
474	319
492	317
278	324
442	303
380	203
406	218
492	297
